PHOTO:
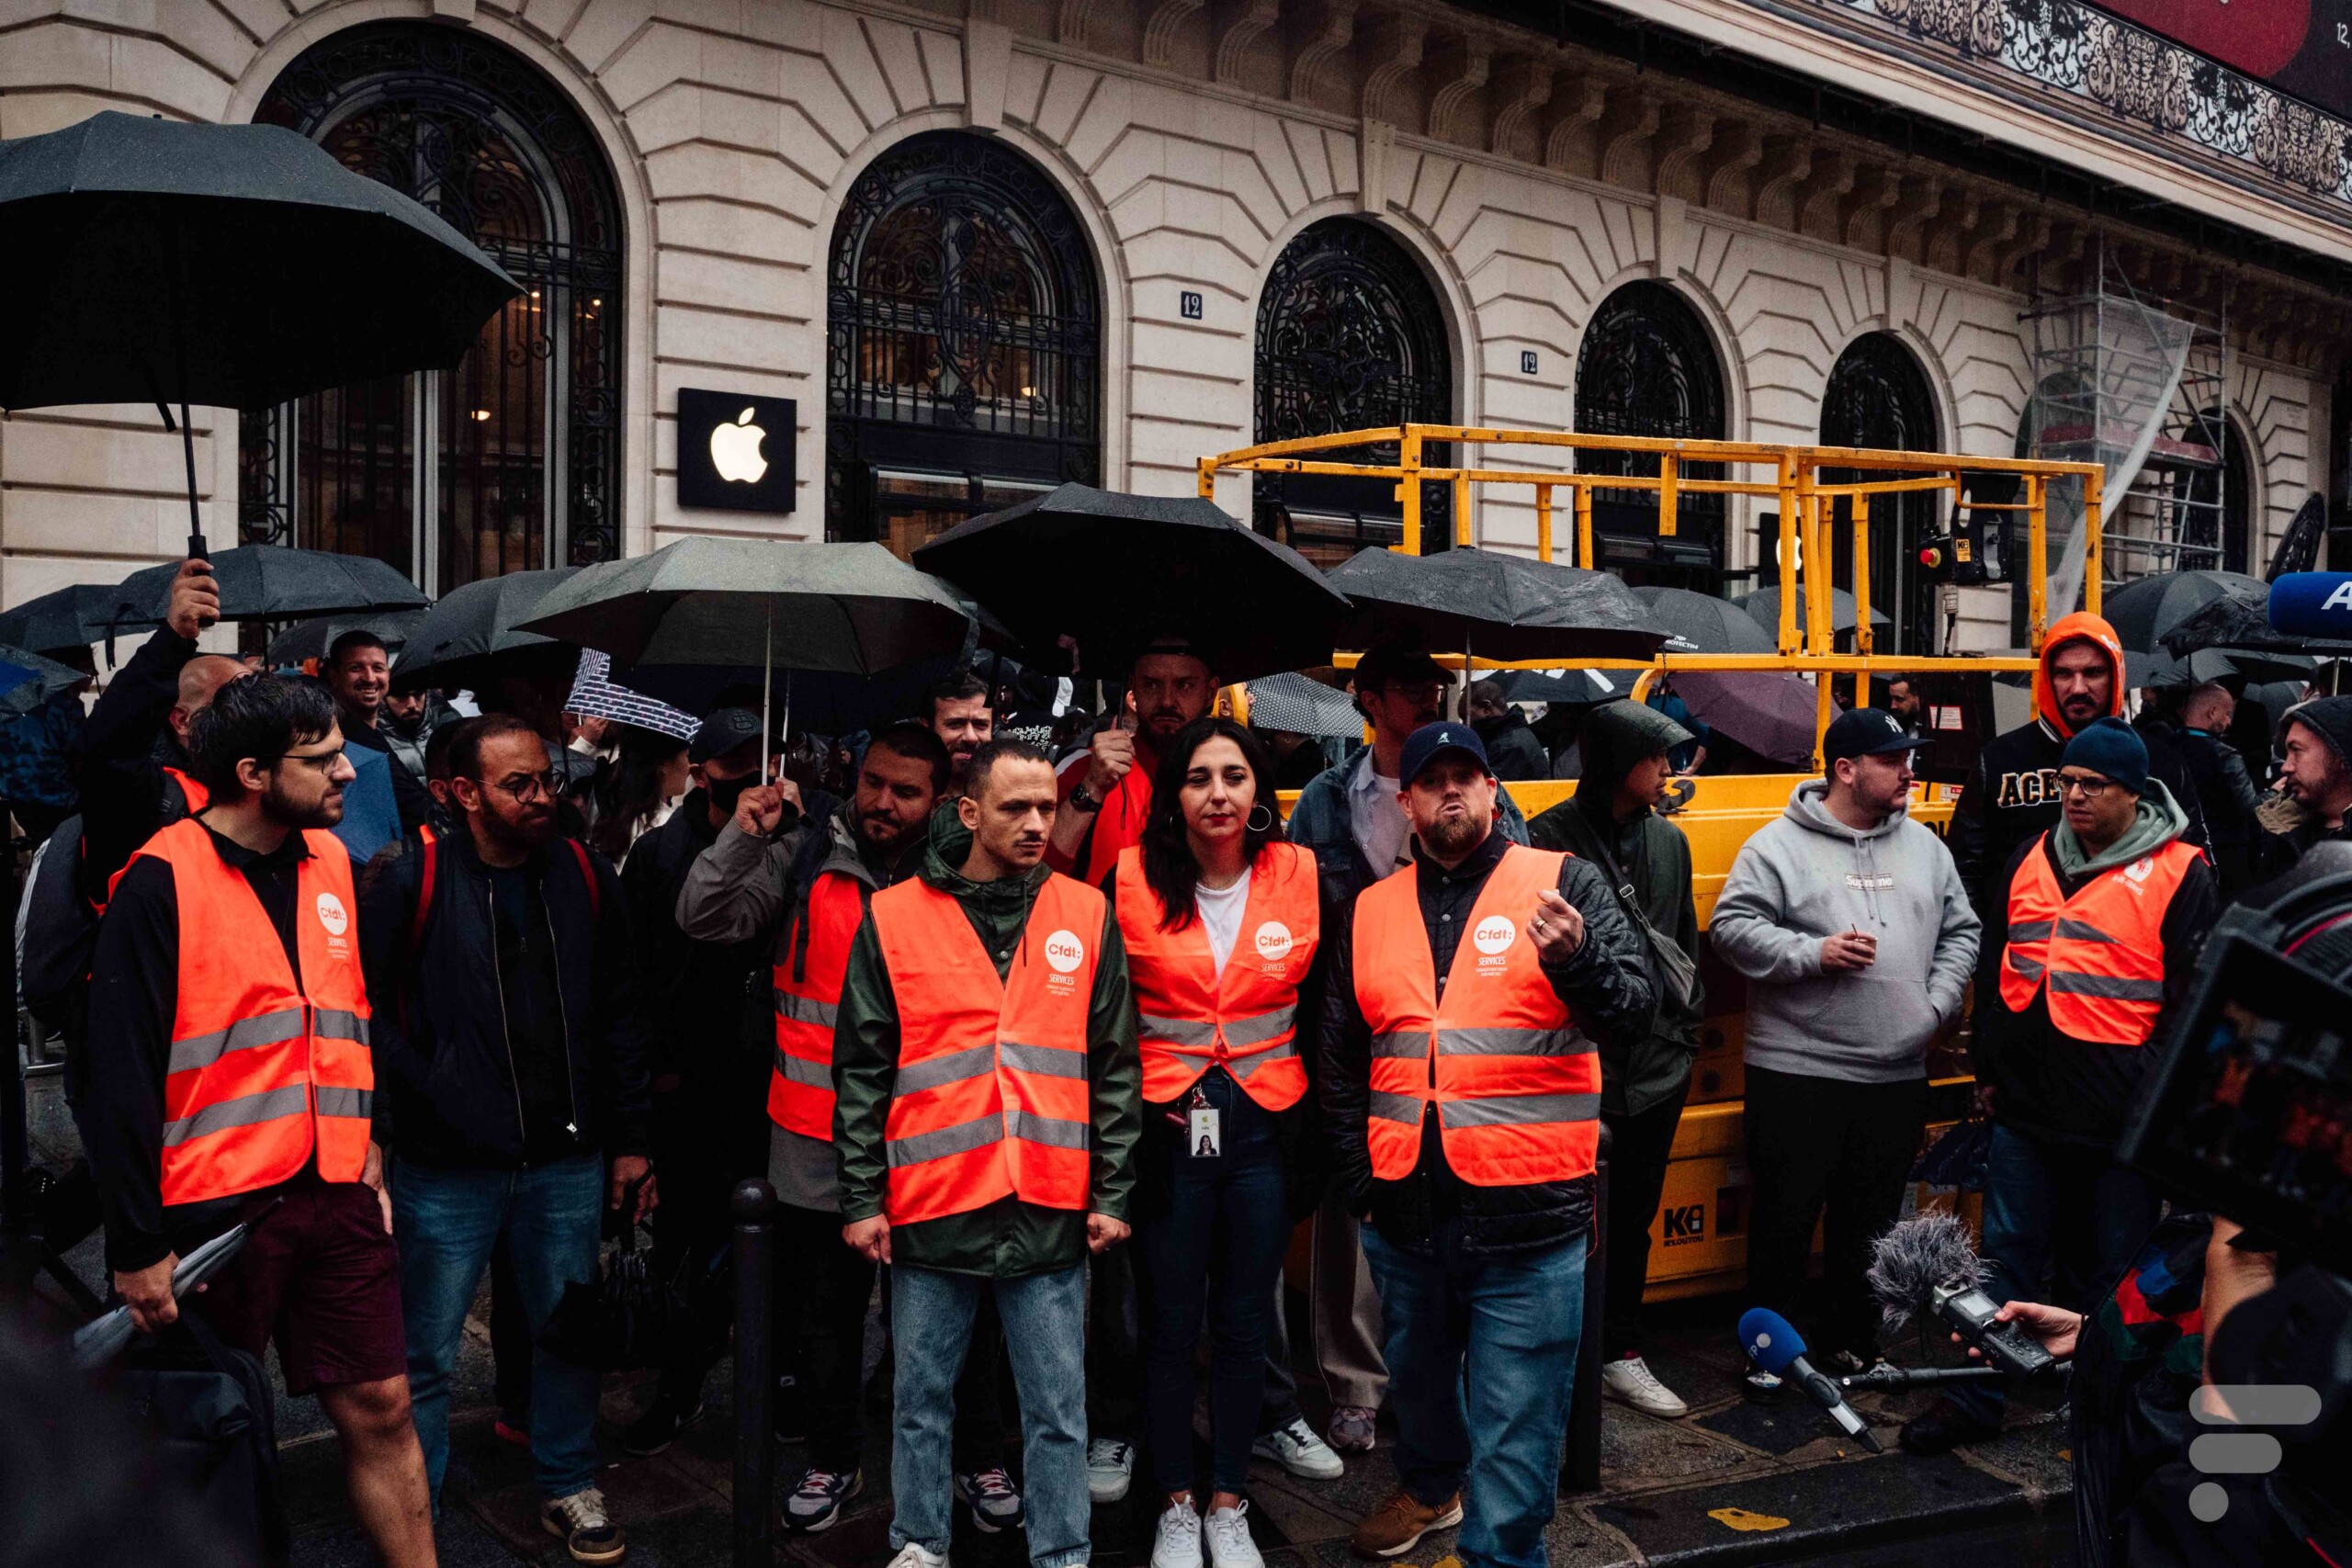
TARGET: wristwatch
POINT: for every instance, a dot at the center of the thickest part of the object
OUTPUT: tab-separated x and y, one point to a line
1085	800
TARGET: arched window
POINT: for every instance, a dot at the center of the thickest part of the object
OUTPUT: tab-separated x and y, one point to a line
1878	397
963	342
1350	336
1646	367
512	460
2215	497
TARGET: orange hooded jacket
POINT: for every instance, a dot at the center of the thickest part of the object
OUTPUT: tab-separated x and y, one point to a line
2080	626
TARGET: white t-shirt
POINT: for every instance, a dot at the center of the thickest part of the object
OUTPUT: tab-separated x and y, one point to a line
1220	911
1375	820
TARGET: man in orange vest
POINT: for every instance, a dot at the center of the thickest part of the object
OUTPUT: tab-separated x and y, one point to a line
2094	943
231	1079
1462	1083
987	1087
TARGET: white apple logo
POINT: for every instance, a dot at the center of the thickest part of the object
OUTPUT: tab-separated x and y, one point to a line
735	450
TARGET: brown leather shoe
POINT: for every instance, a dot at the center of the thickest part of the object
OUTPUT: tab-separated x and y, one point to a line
1396	1526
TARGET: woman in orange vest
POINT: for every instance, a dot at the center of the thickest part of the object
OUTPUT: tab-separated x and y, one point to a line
1222	923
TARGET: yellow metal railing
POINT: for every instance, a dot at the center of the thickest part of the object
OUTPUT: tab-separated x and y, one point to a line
1791	476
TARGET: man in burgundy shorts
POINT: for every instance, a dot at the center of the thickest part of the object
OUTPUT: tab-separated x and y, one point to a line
230	1078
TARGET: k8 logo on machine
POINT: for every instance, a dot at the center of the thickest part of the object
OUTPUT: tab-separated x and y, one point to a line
1684	1223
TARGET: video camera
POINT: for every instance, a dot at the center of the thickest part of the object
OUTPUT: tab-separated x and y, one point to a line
2247	1113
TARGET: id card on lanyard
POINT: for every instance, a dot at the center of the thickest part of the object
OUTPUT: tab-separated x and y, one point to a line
1203	1137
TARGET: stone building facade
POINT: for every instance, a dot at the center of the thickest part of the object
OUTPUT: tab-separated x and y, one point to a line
984	244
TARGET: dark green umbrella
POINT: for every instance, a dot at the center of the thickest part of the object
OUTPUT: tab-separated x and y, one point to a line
154	261
1507	607
1112	571
312	639
270	582
1708	624
466	626
72	616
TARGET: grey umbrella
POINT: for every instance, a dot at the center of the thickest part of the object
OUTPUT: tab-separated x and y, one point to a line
1764	607
1708	624
470	624
312	639
64	618
1505	607
850	608
269	582
1302	706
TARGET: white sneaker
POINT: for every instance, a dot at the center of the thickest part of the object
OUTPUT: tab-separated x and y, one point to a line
1629	1381
913	1555
1297	1449
1110	1469
1176	1542
1229	1542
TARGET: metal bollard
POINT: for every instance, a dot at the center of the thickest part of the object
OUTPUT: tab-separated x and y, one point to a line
1582	1473
755	1207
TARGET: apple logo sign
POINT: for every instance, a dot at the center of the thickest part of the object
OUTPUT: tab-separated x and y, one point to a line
735	450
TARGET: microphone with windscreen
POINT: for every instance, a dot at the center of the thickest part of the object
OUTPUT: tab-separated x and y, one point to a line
1928	1264
1772	1342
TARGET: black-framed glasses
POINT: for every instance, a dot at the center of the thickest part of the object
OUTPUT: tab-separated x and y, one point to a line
323	760
527	787
2088	788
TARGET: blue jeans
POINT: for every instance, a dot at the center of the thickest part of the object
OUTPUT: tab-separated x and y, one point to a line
2059	1213
1482	1356
445	1221
1045	1338
1216	1254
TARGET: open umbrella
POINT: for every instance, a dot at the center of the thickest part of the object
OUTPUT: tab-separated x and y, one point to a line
1506	606
1770	712
72	616
164	262
1708	624
2145	609
1764	607
270	582
1572	688
448	645
853	608
312	639
1111	571
27	680
1301	705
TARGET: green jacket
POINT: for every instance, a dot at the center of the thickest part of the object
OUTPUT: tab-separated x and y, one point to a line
1007	1238
1652	853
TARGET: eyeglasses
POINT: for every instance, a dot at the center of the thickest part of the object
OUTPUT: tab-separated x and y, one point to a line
527	787
323	760
2088	788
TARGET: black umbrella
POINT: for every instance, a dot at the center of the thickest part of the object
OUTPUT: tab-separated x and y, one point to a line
468	624
74	617
27	680
312	639
1507	607
158	261
1111	571
1708	624
270	582
1569	688
2145	610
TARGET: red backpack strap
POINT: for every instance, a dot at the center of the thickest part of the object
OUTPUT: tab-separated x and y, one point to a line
588	875
431	851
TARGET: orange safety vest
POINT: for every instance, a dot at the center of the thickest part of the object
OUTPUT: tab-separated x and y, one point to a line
807	983
1118	825
992	1098
266	1067
2101	952
1516	1082
1245	1020
192	790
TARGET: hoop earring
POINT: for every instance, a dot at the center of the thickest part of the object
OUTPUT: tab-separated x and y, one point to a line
1254	825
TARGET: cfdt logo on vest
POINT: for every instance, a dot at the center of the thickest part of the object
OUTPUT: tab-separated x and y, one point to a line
1273	942
1492	937
337	921
1064	954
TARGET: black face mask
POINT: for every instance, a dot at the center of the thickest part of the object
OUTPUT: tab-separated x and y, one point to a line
725	793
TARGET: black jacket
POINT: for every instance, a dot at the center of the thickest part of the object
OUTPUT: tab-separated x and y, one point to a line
2050	1083
2227	799
2013	795
696	993
1512	750
120	760
1606	981
443	1059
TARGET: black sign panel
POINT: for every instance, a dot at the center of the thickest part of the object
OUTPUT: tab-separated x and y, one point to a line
2303	47
735	451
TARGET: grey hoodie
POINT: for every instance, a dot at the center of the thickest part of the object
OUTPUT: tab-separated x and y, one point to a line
1805	875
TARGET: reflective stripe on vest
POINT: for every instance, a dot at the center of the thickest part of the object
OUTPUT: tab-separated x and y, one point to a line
2100	955
807	981
265	1068
991	1097
1245	1020
1515	1081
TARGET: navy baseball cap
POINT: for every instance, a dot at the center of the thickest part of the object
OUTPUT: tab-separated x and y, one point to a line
1430	741
724	730
1866	732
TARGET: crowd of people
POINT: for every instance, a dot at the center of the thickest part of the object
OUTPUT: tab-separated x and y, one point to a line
1057	1057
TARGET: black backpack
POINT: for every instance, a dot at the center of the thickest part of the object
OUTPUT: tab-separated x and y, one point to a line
60	935
208	1407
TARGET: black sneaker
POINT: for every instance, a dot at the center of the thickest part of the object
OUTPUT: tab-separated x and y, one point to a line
657	1427
1944	1426
587	1532
817	1503
995	1502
